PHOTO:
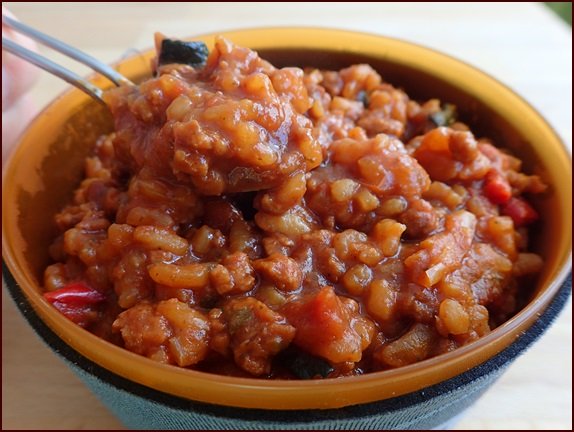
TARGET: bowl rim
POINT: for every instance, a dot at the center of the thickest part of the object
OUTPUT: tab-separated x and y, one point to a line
260	393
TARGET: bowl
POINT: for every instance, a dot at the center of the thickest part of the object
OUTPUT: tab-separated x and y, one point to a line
48	164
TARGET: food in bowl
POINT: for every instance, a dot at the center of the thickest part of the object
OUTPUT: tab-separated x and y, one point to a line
253	221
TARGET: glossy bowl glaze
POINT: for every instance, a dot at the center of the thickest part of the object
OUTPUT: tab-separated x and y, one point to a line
48	163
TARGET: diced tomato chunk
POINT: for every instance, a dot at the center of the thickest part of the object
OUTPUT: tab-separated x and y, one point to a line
324	312
327	328
520	211
77	302
496	188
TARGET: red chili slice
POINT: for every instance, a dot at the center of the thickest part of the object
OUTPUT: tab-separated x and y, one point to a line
77	301
520	211
496	188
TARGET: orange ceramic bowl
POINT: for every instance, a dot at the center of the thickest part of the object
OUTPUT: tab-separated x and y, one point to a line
47	166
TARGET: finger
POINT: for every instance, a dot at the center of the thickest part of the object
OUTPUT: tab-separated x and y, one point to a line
18	76
14	121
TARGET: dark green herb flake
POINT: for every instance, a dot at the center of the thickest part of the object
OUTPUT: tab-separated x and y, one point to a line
445	117
306	366
182	52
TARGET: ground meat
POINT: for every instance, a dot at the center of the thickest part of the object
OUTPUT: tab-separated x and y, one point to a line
242	216
280	270
413	346
447	154
168	332
257	334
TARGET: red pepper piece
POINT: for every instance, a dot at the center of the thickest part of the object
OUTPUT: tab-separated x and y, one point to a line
77	302
520	211
496	188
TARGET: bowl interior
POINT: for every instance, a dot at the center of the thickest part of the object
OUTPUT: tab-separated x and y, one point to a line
48	166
